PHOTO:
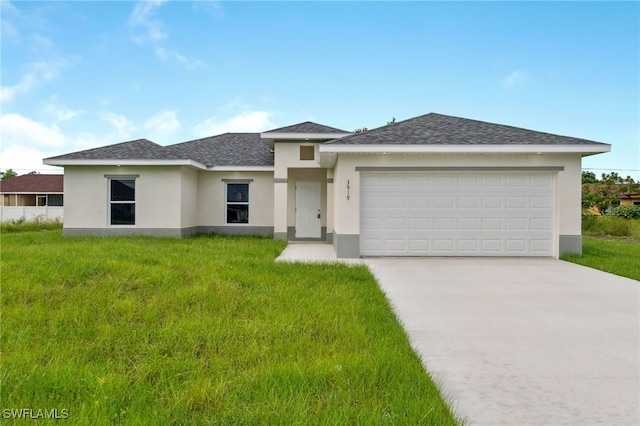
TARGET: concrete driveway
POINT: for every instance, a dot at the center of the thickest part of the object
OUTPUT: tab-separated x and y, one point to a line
522	341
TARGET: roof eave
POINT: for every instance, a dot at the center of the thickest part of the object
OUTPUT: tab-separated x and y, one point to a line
270	137
241	168
466	149
129	162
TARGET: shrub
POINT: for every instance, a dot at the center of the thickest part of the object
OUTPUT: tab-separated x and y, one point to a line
607	225
628	212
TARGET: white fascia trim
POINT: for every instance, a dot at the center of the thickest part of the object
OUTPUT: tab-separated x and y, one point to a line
63	162
465	149
241	169
303	136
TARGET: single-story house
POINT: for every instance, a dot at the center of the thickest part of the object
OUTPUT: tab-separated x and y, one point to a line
33	190
31	196
630	199
433	185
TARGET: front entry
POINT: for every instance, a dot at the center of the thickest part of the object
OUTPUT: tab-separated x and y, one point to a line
308	215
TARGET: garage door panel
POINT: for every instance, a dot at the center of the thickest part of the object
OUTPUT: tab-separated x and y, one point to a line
419	223
443	202
492	202
540	246
468	224
421	246
540	224
492	181
447	214
516	202
540	202
418	202
395	224
541	181
494	247
467	246
491	224
465	202
443	223
468	181
515	181
445	181
516	224
516	245
444	245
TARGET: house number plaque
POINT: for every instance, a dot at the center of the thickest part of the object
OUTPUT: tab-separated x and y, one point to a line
348	188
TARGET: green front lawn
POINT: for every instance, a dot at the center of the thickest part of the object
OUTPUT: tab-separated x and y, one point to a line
616	256
205	330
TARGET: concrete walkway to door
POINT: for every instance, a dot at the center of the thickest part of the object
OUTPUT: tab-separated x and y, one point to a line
522	341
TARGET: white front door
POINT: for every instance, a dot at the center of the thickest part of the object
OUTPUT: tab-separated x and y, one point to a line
308	210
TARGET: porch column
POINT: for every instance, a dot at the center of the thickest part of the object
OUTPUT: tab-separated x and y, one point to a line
280	207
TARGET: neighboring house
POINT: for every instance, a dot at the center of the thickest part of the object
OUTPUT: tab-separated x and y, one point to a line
630	199
433	185
33	195
615	193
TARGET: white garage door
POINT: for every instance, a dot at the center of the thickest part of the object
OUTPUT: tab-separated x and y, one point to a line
456	214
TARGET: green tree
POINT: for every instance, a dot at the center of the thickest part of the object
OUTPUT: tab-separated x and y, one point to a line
601	194
8	174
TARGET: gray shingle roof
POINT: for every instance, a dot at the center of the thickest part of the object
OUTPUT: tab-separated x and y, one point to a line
307	127
229	149
248	149
440	129
140	149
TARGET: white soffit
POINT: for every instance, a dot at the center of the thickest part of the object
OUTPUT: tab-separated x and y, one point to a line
302	136
466	149
83	162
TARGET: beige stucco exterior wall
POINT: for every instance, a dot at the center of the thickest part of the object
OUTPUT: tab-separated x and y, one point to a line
188	197
346	218
288	168
212	198
287	156
158	196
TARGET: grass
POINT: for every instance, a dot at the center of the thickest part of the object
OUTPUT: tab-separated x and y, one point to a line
206	330
22	225
611	226
616	256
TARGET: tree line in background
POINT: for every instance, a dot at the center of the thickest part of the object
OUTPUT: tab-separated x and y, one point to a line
10	173
602	195
7	174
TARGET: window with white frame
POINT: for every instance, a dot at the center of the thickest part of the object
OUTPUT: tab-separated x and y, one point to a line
237	202
122	201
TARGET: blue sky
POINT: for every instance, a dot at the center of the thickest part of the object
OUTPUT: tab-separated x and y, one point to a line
77	75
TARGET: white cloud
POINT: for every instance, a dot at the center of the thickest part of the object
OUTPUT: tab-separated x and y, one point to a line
20	131
8	30
169	54
25	141
24	159
59	113
514	78
122	125
163	122
142	16
39	72
250	121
